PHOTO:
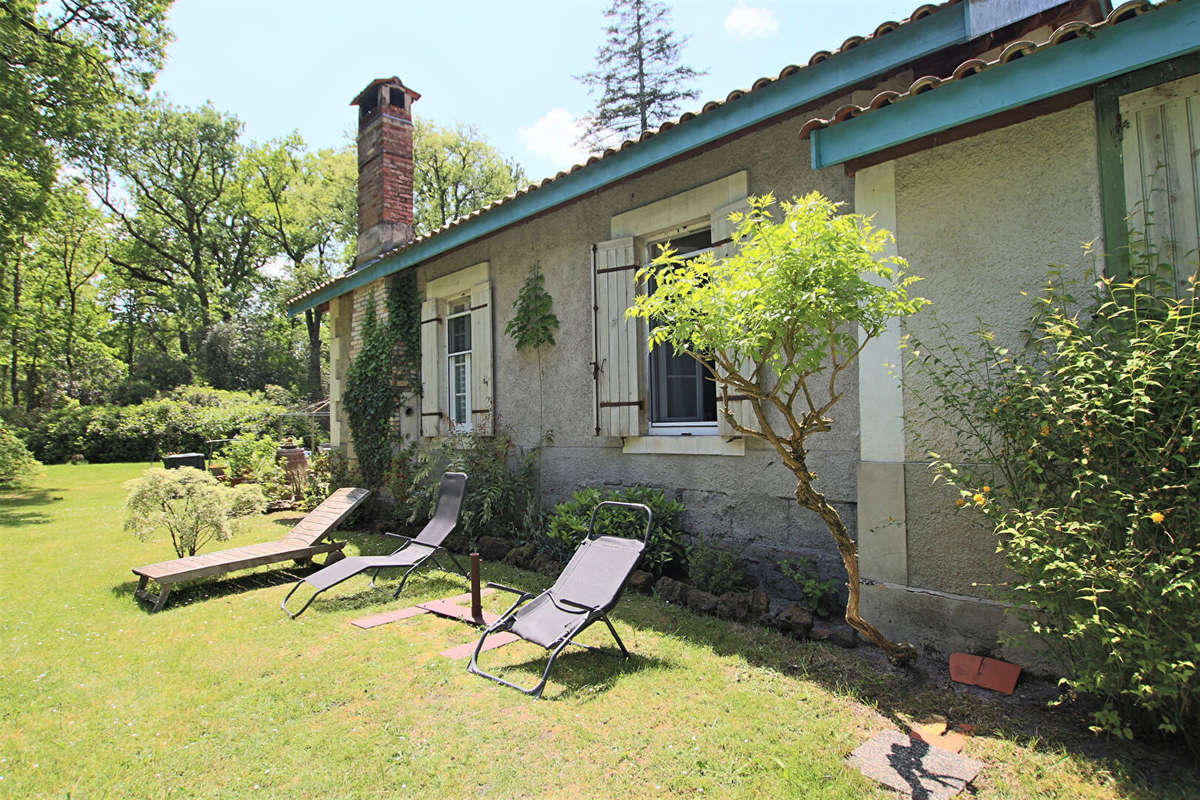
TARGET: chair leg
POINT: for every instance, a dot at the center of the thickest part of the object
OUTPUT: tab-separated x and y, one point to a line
304	607
404	580
613	631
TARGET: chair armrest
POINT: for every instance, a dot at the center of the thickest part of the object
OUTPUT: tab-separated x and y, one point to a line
580	606
397	535
503	588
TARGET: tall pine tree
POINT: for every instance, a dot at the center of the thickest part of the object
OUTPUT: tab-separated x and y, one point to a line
638	78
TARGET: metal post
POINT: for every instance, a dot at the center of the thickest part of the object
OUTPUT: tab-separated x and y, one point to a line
476	601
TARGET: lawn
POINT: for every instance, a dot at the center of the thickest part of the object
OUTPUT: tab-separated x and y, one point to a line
220	695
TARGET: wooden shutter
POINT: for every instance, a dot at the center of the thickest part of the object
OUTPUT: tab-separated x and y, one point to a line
722	228
433	390
1161	152
619	362
482	391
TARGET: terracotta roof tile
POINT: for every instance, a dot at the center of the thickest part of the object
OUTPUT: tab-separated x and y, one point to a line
1011	52
854	41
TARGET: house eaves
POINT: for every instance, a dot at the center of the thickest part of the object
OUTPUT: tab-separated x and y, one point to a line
1078	54
891	47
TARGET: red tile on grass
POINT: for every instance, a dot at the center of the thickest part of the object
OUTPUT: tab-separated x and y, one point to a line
447	608
376	620
493	641
999	676
965	667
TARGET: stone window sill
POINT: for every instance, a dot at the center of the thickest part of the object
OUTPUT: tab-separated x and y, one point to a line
684	446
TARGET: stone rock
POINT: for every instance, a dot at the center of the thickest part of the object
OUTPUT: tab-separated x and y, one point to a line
760	604
520	556
640	581
734	605
546	565
796	620
670	590
492	549
701	602
841	635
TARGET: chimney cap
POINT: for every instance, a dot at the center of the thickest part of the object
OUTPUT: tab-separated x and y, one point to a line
392	81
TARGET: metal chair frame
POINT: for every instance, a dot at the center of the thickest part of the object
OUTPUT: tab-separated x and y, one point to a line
589	614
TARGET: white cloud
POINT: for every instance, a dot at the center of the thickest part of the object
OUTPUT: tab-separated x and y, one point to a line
556	137
751	23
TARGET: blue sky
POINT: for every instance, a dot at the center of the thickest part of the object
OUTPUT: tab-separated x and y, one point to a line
505	67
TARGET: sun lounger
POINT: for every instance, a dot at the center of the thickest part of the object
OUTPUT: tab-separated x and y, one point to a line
412	555
300	544
586	590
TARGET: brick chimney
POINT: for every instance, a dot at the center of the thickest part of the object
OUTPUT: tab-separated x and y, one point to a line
385	167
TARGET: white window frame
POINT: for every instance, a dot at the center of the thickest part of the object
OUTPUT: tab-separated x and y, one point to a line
464	304
675	428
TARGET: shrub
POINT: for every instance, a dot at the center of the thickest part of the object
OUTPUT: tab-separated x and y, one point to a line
179	422
17	466
664	553
501	498
190	505
1090	439
714	570
819	595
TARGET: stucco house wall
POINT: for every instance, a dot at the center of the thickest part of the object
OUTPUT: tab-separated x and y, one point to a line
741	502
980	220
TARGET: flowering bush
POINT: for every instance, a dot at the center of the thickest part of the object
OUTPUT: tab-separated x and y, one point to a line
1092	437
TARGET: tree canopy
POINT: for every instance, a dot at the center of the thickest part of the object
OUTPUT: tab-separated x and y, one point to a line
456	172
638	82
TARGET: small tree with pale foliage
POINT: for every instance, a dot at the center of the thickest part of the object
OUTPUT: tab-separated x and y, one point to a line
777	324
190	505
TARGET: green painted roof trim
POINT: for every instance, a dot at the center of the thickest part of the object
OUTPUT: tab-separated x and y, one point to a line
1151	38
943	28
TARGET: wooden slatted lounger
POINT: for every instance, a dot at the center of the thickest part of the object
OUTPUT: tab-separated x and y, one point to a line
301	544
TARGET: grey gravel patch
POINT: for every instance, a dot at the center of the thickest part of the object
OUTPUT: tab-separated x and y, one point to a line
913	767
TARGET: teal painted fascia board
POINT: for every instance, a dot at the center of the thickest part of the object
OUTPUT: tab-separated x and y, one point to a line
1151	38
944	28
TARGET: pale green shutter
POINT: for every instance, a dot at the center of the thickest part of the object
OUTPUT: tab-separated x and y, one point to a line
620	363
1161	152
482	390
433	395
722	229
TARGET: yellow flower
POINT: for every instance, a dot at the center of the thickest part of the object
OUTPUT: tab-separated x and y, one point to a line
979	498
1157	517
960	502
987	489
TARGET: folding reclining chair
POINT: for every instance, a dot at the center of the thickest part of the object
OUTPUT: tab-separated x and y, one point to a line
585	592
411	555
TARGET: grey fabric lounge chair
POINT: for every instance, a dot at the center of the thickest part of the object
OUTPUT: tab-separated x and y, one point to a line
302	543
411	555
585	592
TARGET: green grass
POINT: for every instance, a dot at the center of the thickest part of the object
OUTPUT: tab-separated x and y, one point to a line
220	695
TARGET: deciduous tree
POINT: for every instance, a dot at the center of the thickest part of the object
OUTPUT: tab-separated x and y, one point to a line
777	323
456	172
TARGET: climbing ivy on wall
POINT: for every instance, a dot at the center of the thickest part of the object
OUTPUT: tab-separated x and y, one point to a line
534	322
384	374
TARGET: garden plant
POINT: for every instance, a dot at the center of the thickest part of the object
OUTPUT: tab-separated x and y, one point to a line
190	505
777	323
1082	450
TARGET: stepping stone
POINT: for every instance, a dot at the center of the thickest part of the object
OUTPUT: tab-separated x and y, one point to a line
913	767
493	641
448	608
376	620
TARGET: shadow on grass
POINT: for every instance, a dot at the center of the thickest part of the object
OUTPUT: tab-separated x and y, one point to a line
420	585
904	694
184	594
20	507
579	672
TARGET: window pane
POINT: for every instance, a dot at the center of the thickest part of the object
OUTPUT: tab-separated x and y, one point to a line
458	334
